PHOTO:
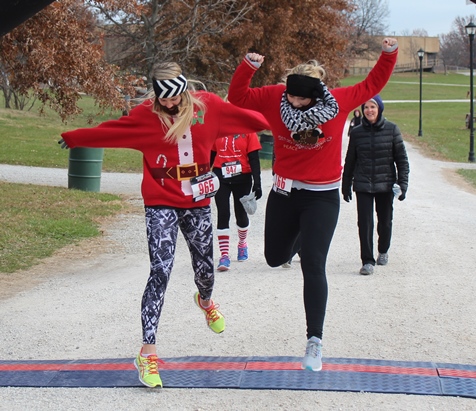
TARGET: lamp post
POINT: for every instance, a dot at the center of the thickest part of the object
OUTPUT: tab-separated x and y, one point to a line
420	53
470	31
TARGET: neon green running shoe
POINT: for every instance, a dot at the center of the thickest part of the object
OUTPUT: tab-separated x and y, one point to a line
148	368
215	319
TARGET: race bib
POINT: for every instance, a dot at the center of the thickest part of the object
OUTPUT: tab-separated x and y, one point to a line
204	186
230	169
282	185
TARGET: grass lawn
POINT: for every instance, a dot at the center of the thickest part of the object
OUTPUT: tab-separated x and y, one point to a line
38	220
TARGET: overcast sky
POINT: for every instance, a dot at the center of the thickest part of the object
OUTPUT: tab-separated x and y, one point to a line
435	16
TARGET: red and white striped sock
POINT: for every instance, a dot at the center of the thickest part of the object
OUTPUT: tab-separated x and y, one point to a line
224	241
242	235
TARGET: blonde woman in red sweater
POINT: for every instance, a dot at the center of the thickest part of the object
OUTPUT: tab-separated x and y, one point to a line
304	202
175	130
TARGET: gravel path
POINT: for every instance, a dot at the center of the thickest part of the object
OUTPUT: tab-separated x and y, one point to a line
84	303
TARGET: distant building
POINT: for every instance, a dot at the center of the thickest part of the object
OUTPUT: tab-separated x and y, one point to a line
407	56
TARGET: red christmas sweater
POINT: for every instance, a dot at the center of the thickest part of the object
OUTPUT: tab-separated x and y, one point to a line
142	130
319	163
236	148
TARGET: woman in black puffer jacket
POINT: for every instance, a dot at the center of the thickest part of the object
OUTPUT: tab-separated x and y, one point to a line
376	159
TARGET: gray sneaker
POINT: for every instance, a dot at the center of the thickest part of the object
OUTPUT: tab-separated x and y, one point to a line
367	269
382	259
312	360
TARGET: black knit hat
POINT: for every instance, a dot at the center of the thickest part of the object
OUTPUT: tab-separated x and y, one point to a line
304	86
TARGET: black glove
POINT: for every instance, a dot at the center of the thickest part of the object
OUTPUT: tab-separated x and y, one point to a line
347	197
402	196
63	144
257	191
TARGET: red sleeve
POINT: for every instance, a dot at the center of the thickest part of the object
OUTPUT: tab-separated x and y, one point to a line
240	93
236	120
353	96
133	131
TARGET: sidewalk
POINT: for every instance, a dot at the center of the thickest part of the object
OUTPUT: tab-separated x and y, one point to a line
418	308
115	183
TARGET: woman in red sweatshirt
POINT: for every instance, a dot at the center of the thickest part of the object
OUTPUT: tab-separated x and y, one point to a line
304	201
175	130
235	161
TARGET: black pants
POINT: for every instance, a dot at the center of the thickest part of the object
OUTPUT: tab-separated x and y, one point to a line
365	221
305	220
238	188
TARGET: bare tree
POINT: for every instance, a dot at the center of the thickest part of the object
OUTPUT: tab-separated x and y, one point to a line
146	32
209	37
455	44
368	22
59	52
419	33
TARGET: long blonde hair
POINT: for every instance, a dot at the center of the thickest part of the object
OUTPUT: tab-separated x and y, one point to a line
311	69
176	129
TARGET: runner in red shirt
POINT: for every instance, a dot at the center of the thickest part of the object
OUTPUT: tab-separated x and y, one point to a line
175	130
235	161
304	202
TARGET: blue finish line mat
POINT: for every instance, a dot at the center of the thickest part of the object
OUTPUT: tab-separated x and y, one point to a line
269	373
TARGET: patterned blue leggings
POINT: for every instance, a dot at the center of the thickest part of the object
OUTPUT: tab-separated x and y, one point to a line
162	230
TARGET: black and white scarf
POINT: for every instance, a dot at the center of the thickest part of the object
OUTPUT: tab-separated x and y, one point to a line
297	120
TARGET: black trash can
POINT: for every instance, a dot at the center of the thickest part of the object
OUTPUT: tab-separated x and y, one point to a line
85	165
267	142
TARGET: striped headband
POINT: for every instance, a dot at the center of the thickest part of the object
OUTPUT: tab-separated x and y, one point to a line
169	88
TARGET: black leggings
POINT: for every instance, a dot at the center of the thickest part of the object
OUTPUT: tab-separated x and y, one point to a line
307	219
365	217
222	201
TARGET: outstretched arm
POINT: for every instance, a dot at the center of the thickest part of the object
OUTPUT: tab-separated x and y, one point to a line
356	95
133	131
235	120
239	93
